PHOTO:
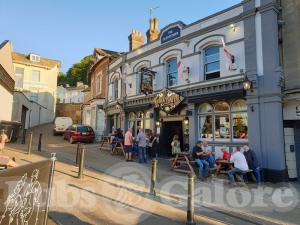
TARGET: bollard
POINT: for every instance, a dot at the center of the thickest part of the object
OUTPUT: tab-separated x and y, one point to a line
29	143
190	203
78	153
40	143
153	177
81	163
24	137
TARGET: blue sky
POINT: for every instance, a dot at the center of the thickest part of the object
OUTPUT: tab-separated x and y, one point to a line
68	30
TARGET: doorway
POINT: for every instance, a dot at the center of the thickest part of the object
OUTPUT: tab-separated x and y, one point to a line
169	129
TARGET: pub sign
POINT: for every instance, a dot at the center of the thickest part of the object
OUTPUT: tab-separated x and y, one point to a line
167	100
147	81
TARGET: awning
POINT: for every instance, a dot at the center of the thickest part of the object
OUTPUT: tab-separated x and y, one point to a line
226	95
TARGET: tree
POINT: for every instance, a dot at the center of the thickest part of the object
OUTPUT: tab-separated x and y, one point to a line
62	79
78	72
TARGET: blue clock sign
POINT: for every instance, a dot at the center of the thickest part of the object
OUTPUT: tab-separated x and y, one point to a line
170	34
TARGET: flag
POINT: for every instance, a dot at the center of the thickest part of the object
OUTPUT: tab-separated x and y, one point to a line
183	71
229	55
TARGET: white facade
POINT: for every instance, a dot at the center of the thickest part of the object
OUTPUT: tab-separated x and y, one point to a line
70	94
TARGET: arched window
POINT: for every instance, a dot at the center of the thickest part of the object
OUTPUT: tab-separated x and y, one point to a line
172	72
206	121
239	120
212	62
115	86
222	122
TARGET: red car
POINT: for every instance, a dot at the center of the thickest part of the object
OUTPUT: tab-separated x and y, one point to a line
79	133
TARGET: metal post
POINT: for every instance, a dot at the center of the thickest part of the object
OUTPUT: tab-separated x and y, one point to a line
24	137
190	203
153	176
78	153
81	163
29	143
50	183
40	143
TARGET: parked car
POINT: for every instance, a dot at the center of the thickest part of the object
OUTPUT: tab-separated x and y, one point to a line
61	124
79	133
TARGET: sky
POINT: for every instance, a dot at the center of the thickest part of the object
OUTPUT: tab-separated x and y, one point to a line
68	30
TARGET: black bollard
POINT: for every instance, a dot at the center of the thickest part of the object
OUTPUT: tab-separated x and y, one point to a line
40	143
78	153
29	143
24	137
190	200
81	163
153	176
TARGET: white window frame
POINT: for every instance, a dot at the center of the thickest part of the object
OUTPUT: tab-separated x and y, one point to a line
205	61
32	76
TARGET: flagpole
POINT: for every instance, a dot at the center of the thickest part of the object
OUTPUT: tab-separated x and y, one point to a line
50	183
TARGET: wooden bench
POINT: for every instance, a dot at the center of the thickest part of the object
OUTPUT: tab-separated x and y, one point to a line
243	173
104	140
183	163
119	148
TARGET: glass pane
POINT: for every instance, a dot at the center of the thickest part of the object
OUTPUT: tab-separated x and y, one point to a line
19	80
211	67
222	107
239	105
205	108
19	71
212	58
222	126
212	50
240	125
147	124
172	79
148	114
205	126
172	66
131	116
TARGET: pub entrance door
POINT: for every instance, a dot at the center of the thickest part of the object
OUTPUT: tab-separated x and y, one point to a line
169	129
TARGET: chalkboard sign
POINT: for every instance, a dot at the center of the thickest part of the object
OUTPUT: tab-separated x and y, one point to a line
170	34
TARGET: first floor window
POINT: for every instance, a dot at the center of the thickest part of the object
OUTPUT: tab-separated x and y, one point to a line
172	72
35	76
115	89
212	62
19	74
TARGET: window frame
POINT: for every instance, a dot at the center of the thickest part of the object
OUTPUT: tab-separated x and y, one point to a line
19	77
169	73
205	63
32	75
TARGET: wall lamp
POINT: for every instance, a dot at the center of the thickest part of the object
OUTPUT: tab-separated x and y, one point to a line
157	123
233	27
247	84
186	121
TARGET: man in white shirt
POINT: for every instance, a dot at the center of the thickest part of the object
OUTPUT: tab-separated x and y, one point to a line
240	164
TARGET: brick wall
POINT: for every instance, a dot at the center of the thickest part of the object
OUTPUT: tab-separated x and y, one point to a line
99	72
72	110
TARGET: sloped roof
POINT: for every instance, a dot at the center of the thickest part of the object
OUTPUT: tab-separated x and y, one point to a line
106	52
24	59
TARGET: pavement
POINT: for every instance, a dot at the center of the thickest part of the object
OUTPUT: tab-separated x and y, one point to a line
113	191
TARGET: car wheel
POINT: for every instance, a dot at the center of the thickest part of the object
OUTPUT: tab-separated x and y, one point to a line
71	140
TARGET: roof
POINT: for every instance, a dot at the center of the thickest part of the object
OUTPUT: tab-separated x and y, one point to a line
3	43
105	52
24	59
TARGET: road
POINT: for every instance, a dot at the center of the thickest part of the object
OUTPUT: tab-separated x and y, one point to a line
117	192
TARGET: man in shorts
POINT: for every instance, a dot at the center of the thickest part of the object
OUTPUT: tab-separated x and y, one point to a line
128	143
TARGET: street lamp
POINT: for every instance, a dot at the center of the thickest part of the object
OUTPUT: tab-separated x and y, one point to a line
247	84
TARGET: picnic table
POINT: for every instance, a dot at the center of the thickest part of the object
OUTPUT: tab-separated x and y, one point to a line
119	148
104	140
6	162
183	163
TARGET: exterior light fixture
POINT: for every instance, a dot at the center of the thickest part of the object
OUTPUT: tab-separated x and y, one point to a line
247	84
157	123
233	27
186	121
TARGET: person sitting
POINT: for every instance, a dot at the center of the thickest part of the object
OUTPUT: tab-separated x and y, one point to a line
252	162
199	157
225	156
3	139
240	165
209	155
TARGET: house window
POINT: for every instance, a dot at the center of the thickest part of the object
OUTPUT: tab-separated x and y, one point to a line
222	122
115	89
35	76
172	72
212	62
19	74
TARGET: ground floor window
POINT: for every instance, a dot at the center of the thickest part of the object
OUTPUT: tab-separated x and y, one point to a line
223	121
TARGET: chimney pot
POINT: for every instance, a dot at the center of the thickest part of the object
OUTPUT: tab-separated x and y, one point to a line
136	40
153	32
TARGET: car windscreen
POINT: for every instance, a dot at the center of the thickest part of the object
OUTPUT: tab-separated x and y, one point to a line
84	129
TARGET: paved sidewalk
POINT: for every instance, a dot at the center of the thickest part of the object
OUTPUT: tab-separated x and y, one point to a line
115	192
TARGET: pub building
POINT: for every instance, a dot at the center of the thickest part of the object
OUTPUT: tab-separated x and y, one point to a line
216	79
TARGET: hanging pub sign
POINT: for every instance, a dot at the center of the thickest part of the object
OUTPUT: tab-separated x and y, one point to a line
167	100
170	34
147	81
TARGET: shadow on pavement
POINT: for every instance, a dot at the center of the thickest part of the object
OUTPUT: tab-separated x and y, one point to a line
67	219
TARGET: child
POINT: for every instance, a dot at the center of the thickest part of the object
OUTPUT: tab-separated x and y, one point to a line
3	140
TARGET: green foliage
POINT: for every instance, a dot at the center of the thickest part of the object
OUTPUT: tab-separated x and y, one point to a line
78	72
62	79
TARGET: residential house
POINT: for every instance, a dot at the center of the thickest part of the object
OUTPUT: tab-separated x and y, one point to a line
70	94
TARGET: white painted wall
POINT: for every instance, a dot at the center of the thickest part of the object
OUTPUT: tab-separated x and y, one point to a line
67	95
6	104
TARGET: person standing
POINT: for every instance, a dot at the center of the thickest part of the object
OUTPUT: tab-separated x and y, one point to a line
252	162
3	140
128	144
175	145
141	139
240	164
199	157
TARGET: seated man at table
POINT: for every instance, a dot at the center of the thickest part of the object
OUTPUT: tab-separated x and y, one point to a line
209	155
252	162
199	157
240	164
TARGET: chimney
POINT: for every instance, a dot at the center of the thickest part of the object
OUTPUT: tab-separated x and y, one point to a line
153	32
136	40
